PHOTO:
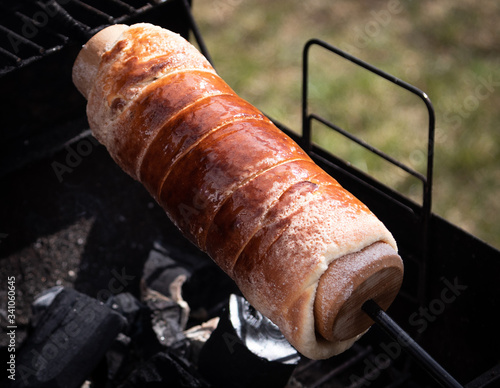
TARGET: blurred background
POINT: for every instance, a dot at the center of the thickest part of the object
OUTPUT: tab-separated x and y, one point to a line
449	49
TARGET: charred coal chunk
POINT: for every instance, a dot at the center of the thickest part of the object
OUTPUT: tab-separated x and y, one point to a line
67	343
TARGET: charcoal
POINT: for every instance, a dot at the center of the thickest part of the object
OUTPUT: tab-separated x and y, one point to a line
127	305
197	336
163	278
143	340
168	318
247	350
161	270
165	369
118	358
42	302
203	285
68	342
130	308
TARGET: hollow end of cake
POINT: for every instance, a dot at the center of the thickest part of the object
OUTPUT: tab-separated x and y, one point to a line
375	272
87	62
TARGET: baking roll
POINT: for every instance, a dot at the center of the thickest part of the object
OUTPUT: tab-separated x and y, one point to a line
304	251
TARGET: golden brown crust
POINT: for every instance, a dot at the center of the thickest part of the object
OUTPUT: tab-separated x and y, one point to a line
187	128
242	214
157	105
223	171
209	172
141	55
292	252
89	58
294	236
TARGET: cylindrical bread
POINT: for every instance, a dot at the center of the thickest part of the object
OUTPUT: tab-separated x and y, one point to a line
302	249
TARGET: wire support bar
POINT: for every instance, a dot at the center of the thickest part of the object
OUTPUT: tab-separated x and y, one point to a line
369	147
409	345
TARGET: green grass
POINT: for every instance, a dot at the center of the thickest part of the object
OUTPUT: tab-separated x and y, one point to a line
448	49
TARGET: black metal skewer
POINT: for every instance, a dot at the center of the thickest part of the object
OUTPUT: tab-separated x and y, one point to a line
411	347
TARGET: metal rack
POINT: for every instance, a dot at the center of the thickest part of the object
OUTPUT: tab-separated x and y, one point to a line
422	215
370	307
31	30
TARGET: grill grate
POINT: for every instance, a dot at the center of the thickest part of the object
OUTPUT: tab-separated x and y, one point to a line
32	29
39	36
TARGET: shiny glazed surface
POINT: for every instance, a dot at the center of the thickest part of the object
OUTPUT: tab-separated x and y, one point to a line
234	184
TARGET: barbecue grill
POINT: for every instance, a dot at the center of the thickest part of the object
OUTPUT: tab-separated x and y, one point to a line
65	224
